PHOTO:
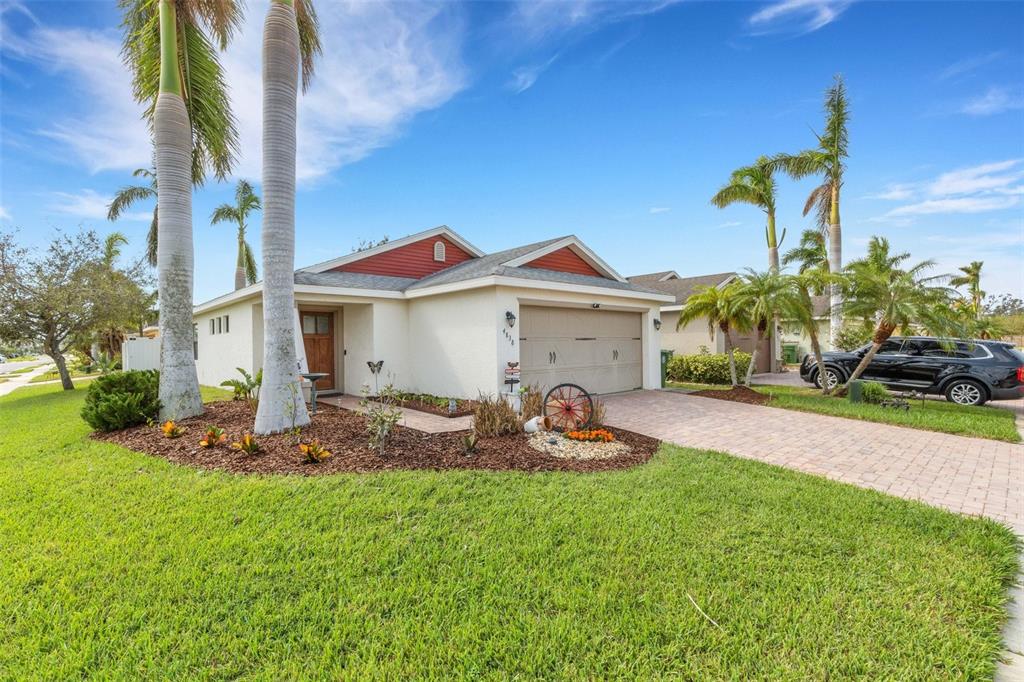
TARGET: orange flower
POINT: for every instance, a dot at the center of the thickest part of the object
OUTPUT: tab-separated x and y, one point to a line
171	430
592	435
214	437
247	444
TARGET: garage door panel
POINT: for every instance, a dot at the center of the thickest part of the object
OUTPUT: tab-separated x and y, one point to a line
596	349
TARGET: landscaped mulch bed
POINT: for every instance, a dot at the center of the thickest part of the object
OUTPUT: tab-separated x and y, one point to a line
737	394
344	434
463	408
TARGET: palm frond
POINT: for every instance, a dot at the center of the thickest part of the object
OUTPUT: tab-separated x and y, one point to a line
125	197
249	263
801	165
152	239
225	213
221	17
112	247
309	39
214	135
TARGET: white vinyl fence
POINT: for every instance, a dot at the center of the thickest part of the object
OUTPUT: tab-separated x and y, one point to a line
138	352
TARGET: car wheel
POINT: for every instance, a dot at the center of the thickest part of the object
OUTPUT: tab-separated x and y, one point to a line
831	376
966	392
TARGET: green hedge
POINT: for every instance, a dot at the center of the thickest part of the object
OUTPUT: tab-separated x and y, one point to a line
122	399
706	368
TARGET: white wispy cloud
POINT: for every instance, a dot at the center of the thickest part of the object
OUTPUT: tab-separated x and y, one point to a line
896	191
968	64
982	188
659	209
4	213
730	223
386	63
797	16
524	77
995	100
89	204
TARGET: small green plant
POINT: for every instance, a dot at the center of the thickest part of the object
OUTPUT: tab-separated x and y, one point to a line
598	414
247	444
706	368
247	388
121	399
314	452
874	392
172	430
213	437
494	416
469	443
382	415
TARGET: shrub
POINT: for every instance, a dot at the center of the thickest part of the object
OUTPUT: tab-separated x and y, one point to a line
247	388
213	437
874	392
597	416
705	368
314	452
121	399
494	416
247	444
172	430
382	415
852	336
531	402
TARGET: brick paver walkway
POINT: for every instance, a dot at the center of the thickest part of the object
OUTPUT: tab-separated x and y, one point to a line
967	475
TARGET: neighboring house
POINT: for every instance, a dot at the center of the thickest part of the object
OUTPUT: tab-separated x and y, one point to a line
689	338
793	332
447	319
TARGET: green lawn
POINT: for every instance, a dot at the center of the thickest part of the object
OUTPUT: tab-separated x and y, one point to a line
23	370
986	421
117	565
54	375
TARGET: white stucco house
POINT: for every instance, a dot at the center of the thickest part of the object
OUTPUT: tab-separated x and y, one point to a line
447	319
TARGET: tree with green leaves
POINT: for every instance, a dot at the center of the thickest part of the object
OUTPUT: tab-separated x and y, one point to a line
798	304
237	214
129	195
826	161
878	287
127	297
171	48
754	185
811	253
720	307
50	299
971	278
761	296
291	42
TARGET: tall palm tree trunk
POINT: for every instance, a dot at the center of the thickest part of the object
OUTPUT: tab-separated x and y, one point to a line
761	329
240	281
179	383
881	335
281	403
812	331
731	356
835	264
773	265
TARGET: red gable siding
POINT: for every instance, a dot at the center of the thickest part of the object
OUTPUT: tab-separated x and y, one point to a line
412	260
564	260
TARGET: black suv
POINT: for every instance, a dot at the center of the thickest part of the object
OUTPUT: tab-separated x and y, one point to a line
966	372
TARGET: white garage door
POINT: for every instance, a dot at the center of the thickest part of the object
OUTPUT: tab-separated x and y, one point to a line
599	350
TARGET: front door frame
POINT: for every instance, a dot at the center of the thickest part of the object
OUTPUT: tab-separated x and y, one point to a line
336	335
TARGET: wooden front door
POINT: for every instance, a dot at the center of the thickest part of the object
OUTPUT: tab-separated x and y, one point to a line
318	339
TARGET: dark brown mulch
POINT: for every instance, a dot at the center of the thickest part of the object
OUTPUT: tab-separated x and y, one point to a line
344	434
738	394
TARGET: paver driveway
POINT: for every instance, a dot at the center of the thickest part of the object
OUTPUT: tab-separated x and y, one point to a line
967	475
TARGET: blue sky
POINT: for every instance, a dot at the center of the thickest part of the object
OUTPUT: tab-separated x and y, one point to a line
518	122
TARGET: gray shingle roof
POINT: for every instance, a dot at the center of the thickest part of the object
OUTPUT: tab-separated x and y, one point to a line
352	280
651	276
684	287
489	265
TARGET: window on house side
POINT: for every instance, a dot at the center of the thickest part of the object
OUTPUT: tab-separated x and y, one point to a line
439	251
226	328
213	326
220	325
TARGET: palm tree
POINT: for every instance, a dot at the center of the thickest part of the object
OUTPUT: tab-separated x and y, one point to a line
826	161
112	249
798	304
811	253
754	185
879	288
760	296
245	203
972	280
127	196
719	306
290	35
177	75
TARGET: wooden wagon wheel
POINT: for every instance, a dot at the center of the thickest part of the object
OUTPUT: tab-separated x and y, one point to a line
569	406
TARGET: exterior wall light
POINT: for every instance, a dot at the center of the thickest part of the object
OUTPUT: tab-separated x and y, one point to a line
595	306
510	317
657	324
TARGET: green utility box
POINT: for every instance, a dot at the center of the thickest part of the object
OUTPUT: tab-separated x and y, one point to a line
855	391
790	353
666	355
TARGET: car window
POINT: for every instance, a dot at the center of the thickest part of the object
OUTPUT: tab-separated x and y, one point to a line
890	347
925	347
969	350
